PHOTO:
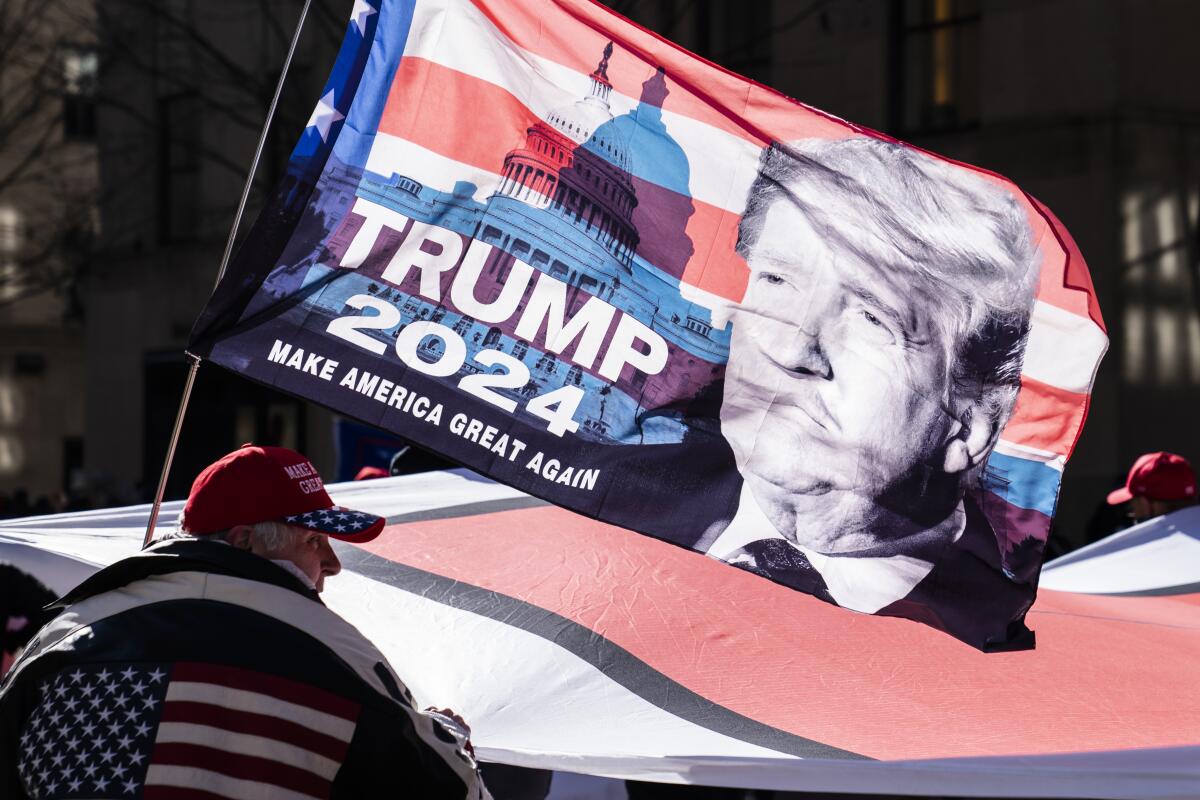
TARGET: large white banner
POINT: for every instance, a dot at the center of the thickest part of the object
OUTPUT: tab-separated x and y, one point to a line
619	655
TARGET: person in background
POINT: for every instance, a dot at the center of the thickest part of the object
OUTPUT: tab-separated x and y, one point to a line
23	599
369	473
1158	483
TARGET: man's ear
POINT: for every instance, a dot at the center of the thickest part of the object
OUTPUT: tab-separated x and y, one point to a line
240	536
972	438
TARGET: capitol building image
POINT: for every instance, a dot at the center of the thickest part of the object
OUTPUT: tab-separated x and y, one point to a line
565	204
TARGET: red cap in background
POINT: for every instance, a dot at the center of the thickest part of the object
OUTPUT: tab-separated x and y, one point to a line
1157	476
370	473
256	484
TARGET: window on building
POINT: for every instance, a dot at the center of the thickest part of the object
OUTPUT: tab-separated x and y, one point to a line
10	246
936	63
747	34
179	117
29	364
80	67
738	36
1160	284
547	364
275	424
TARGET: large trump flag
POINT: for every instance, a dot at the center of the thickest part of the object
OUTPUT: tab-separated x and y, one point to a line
585	262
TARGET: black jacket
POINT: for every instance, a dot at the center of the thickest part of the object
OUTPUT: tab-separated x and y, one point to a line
195	664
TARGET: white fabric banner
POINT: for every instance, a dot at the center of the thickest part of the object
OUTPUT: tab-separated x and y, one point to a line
571	645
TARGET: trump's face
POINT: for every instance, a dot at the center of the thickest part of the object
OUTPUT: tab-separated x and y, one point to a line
837	385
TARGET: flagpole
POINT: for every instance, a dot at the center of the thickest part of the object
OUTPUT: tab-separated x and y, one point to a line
237	220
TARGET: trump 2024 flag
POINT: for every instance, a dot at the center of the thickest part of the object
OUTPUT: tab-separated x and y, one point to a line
575	257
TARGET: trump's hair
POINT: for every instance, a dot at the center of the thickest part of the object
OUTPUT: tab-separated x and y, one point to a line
965	240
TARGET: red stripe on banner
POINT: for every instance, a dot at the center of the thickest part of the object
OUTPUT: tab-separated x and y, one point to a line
280	688
574	34
255	724
807	667
1045	417
238	765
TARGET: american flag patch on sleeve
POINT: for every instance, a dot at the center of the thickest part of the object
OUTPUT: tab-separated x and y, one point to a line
185	731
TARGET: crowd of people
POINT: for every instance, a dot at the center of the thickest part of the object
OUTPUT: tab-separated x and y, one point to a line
20	502
17	503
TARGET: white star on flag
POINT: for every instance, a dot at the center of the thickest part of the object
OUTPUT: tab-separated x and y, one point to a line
324	115
362	10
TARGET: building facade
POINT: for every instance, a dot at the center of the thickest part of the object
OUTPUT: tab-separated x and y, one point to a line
185	88
48	220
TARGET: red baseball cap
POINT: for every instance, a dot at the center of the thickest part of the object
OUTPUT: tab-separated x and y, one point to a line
1157	476
257	484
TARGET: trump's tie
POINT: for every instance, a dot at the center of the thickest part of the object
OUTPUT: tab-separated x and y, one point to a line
779	561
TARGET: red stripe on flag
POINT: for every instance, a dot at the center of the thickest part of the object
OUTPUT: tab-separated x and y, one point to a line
1073	289
573	35
715	265
240	766
179	793
425	94
255	724
1045	417
279	688
440	92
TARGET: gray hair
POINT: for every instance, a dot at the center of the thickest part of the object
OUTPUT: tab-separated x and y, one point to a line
962	237
271	535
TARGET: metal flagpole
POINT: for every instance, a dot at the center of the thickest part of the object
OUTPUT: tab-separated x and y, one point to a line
237	220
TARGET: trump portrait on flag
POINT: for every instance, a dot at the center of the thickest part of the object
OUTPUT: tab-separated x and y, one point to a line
874	360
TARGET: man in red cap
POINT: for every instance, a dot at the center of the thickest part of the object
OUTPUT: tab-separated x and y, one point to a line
272	502
207	663
1158	484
